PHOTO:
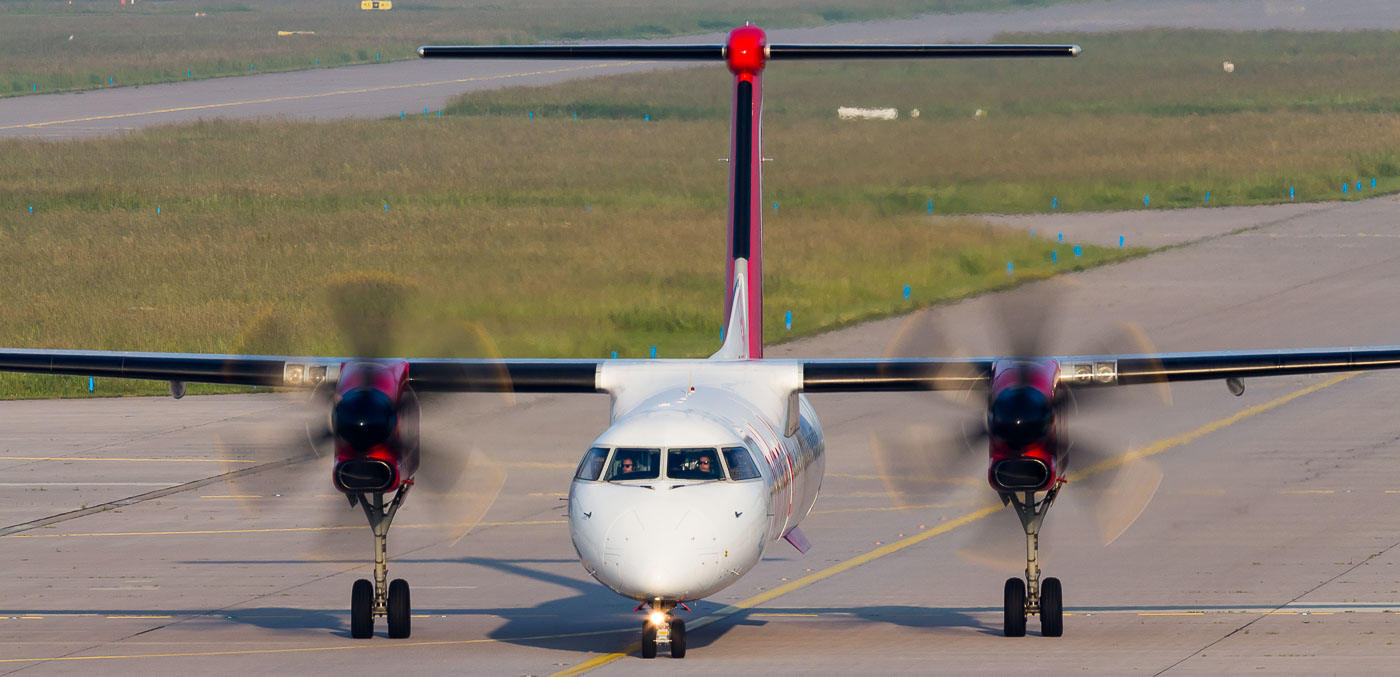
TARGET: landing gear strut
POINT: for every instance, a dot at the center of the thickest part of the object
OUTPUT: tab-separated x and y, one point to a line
380	598
1033	596
662	627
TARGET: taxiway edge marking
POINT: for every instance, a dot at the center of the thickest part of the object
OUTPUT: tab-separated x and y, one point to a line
207	532
296	97
310	649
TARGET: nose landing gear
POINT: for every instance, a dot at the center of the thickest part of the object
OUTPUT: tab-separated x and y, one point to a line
380	598
662	627
1032	596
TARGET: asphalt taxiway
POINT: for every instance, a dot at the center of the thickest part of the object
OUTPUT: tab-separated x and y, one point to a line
1269	546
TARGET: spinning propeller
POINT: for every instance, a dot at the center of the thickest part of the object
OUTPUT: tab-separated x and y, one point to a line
368	422
1013	429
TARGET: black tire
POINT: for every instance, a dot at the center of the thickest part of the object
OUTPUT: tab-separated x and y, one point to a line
1014	608
1052	618
648	640
400	610
677	638
362	610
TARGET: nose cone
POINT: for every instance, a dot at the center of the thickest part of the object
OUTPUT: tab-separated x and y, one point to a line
662	549
1020	416
364	417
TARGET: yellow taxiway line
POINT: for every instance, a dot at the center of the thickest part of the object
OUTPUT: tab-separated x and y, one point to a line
895	508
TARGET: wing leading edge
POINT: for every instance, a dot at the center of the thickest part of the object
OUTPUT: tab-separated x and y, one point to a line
896	375
581	376
426	375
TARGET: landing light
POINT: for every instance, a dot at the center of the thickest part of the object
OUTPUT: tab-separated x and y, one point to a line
657	618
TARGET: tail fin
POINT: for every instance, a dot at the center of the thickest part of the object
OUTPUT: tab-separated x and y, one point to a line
746	51
736	331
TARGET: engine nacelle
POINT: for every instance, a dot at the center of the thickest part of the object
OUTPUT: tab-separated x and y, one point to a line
1022	427
375	424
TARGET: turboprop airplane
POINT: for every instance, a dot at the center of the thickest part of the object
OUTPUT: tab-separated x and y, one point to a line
705	463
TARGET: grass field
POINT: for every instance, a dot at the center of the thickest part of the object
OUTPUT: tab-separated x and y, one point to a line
613	240
565	237
1141	113
90	43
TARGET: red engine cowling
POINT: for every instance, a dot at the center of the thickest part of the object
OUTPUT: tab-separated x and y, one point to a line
1022	427
375	425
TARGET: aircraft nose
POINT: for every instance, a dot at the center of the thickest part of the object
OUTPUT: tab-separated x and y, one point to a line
662	550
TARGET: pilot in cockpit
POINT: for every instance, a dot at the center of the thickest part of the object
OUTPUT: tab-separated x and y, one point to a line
694	464
705	468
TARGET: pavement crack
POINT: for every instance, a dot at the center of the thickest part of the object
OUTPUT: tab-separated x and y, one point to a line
1364	560
150	495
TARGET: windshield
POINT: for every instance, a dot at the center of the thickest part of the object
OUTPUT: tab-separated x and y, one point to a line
591	468
741	465
635	464
693	464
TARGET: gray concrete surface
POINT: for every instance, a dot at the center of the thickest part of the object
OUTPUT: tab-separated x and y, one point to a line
1269	546
1157	227
387	89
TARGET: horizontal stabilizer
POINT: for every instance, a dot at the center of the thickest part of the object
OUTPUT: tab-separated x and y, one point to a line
717	52
647	52
813	52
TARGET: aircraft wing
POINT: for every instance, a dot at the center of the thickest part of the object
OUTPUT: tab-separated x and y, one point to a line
893	375
580	376
426	375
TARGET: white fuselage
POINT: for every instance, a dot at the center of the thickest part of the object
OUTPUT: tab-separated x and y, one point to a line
669	531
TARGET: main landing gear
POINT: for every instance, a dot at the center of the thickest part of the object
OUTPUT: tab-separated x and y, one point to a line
372	600
662	627
1033	596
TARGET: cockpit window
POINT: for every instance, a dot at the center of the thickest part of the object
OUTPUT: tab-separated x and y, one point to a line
741	465
634	464
693	464
591	468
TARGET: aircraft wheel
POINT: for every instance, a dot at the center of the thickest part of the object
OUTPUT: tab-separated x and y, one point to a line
648	640
1052	621
1014	608
362	609
677	638
400	611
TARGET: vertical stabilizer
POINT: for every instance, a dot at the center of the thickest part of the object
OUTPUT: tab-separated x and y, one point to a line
746	52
